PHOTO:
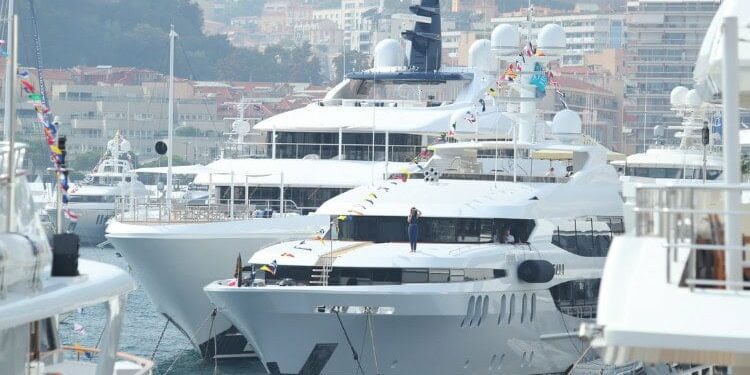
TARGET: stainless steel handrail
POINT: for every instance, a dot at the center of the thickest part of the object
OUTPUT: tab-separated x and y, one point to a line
691	220
156	210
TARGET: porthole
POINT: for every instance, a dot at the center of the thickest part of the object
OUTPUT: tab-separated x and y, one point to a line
477	312
493	362
502	310
500	361
469	311
523	307
533	307
511	308
485	307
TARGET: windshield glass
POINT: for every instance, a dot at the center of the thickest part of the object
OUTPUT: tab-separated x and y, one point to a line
432	230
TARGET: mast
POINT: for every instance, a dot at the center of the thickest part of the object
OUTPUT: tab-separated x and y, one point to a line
170	117
9	72
731	149
10	110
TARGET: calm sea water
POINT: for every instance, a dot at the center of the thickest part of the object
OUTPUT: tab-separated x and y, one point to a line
141	330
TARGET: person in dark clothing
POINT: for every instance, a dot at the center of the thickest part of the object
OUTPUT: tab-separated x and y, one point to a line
413	221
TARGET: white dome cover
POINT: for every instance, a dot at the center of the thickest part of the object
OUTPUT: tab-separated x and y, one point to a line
693	99
125	145
551	39
566	122
505	39
388	53
677	96
480	55
241	127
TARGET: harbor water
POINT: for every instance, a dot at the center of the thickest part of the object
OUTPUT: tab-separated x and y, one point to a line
141	330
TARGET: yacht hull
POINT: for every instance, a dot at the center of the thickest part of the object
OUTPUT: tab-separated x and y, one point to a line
173	262
428	331
90	226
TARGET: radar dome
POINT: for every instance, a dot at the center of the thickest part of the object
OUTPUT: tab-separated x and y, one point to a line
677	96
693	99
388	53
125	145
241	127
566	125
551	39
480	55
505	39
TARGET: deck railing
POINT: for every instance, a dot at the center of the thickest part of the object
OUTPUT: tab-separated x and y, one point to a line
691	220
156	210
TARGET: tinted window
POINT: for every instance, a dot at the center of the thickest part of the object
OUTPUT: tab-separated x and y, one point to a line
431	230
577	298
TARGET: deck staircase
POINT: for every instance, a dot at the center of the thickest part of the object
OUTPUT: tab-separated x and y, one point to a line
322	268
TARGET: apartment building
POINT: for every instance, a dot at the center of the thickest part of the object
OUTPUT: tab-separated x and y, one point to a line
663	39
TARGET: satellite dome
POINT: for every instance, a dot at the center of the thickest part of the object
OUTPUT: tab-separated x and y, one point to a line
693	99
125	145
388	53
505	39
551	39
480	55
566	124
677	96
241	127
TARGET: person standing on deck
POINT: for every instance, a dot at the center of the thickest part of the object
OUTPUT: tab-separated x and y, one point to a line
413	221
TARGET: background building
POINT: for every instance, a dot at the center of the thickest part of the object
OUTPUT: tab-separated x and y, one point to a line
662	42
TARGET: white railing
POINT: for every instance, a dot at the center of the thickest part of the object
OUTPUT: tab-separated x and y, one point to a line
692	219
154	210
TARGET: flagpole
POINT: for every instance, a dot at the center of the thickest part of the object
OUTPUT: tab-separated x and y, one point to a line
170	118
8	71
10	110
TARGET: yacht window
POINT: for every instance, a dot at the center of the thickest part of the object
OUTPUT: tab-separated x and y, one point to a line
382	229
577	298
302	275
675	173
414	276
588	237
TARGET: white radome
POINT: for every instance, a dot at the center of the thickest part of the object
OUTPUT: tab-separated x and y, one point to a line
566	123
125	145
388	53
241	127
505	39
551	39
480	55
677	96
693	99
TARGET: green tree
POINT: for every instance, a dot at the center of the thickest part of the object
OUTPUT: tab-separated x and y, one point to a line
355	61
